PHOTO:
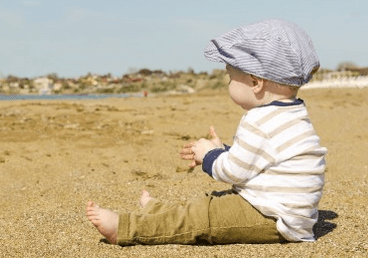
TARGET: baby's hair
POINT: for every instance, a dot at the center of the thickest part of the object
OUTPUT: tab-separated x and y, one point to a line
294	89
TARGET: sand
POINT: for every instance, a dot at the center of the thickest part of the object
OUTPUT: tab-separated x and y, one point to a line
57	155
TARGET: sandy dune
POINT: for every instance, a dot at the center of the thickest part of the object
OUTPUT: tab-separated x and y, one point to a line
57	155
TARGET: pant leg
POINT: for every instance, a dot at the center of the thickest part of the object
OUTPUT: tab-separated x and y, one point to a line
235	220
217	218
161	223
155	206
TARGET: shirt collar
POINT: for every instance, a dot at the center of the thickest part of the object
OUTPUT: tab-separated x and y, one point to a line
284	104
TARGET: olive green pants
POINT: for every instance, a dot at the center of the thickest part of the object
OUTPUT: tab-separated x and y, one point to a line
219	218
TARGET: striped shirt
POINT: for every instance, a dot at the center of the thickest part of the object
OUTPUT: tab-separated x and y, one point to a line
277	164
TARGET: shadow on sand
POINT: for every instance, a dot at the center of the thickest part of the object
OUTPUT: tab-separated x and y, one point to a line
323	227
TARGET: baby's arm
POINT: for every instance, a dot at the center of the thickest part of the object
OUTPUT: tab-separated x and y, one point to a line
249	155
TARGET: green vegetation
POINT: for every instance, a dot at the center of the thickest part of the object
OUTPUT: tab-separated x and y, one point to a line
156	81
164	86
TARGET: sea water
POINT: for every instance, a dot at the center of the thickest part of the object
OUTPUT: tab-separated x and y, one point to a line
66	96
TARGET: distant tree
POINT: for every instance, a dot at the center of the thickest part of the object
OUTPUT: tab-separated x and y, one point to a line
343	66
145	72
23	82
65	85
159	72
53	76
191	70
12	78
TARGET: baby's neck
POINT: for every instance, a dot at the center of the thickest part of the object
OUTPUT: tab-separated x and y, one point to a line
271	97
286	100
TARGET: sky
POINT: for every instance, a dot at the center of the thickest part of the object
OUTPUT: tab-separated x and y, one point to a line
73	38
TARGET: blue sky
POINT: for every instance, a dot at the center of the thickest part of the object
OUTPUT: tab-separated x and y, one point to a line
75	37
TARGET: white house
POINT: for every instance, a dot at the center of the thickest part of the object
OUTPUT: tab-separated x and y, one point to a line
44	85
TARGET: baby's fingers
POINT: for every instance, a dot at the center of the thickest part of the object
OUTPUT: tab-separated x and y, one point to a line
193	164
213	132
186	151
188	145
187	156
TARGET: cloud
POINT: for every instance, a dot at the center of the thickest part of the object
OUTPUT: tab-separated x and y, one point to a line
31	2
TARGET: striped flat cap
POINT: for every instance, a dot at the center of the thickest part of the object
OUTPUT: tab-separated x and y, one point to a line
274	49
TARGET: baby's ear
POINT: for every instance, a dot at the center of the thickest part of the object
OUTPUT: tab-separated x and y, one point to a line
258	84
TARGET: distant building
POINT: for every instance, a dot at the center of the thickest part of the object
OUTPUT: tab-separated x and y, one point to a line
14	85
43	85
57	86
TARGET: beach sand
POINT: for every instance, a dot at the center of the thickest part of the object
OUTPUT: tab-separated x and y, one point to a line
57	155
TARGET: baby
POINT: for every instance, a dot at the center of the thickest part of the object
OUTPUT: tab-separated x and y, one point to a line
275	165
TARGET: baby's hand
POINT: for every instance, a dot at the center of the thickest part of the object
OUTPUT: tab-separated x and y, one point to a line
196	151
187	154
200	149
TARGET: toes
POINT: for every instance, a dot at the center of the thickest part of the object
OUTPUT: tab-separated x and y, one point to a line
145	192
92	213
92	210
90	204
95	221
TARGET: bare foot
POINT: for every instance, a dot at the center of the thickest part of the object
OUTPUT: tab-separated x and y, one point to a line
145	198
104	220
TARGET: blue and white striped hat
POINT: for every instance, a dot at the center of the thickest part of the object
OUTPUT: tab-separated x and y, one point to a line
273	49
